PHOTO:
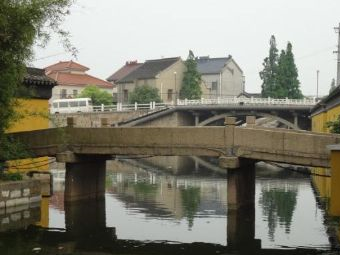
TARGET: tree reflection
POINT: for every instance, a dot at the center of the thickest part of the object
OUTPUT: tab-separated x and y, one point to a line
191	198
278	205
145	190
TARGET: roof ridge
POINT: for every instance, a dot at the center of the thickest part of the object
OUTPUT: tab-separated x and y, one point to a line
161	59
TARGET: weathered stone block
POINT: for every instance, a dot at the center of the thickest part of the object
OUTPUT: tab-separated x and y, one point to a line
16	208
26	214
5	193
5	221
250	120
230	121
229	162
22	201
15	193
26	192
35	199
15	217
2	204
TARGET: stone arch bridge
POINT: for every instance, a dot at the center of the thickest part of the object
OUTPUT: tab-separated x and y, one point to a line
291	116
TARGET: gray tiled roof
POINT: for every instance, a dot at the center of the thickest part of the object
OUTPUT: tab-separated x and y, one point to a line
206	65
149	69
37	76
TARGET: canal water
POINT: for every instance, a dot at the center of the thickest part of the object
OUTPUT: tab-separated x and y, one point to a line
167	204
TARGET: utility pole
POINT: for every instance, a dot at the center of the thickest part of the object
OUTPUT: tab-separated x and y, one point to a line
337	30
317	84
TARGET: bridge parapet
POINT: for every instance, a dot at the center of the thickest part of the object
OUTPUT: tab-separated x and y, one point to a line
280	145
248	101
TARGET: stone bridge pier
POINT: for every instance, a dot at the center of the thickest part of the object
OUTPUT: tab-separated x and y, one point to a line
85	176
241	208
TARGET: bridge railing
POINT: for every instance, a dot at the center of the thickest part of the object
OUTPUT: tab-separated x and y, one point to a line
119	107
248	101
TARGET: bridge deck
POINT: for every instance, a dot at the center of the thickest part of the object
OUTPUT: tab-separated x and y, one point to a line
280	145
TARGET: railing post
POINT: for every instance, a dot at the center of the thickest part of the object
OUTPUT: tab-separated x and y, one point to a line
136	106
178	101
202	100
218	100
185	101
150	105
154	105
102	107
286	100
251	99
268	100
304	100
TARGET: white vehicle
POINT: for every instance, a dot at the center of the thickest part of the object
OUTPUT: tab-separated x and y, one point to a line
71	105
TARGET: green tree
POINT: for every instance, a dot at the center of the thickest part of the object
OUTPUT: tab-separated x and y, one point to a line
332	86
287	81
269	73
22	24
191	85
144	94
97	95
334	126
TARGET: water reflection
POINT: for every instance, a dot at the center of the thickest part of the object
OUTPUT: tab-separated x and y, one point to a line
147	211
278	205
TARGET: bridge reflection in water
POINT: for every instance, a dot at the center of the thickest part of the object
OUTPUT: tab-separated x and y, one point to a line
137	200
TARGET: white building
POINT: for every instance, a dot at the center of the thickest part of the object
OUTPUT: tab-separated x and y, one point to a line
72	78
221	77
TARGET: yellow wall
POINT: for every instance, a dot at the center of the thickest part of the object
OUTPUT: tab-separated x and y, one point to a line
335	187
319	121
328	188
33	116
34	113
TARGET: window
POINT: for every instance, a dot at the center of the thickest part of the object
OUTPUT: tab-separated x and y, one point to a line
170	92
73	104
55	105
214	85
82	103
63	93
75	93
125	95
63	104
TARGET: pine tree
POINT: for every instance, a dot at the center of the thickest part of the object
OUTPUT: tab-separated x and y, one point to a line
332	86
288	84
268	74
191	88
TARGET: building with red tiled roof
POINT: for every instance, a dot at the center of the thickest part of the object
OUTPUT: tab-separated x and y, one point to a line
72	78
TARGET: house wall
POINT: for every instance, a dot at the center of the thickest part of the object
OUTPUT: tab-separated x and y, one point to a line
232	80
319	121
33	116
324	185
206	85
164	82
120	91
168	80
33	113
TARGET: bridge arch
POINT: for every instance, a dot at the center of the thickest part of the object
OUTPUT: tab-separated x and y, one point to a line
258	114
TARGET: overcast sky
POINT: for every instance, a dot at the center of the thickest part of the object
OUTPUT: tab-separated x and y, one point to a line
110	32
